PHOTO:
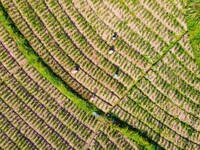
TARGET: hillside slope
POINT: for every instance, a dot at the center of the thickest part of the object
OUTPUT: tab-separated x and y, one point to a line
88	74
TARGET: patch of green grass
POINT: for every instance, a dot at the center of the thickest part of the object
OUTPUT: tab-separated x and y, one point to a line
192	13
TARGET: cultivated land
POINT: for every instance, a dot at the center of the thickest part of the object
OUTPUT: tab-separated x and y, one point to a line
100	74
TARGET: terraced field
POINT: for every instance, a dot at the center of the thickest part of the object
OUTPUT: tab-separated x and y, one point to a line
99	74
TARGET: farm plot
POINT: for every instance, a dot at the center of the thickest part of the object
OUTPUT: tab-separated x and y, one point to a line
30	90
166	102
47	109
97	74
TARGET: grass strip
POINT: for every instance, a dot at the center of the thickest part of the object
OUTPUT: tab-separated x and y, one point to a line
35	61
192	13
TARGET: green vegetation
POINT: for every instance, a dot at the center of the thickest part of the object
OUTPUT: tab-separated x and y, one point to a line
192	13
68	91
35	61
126	129
44	70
